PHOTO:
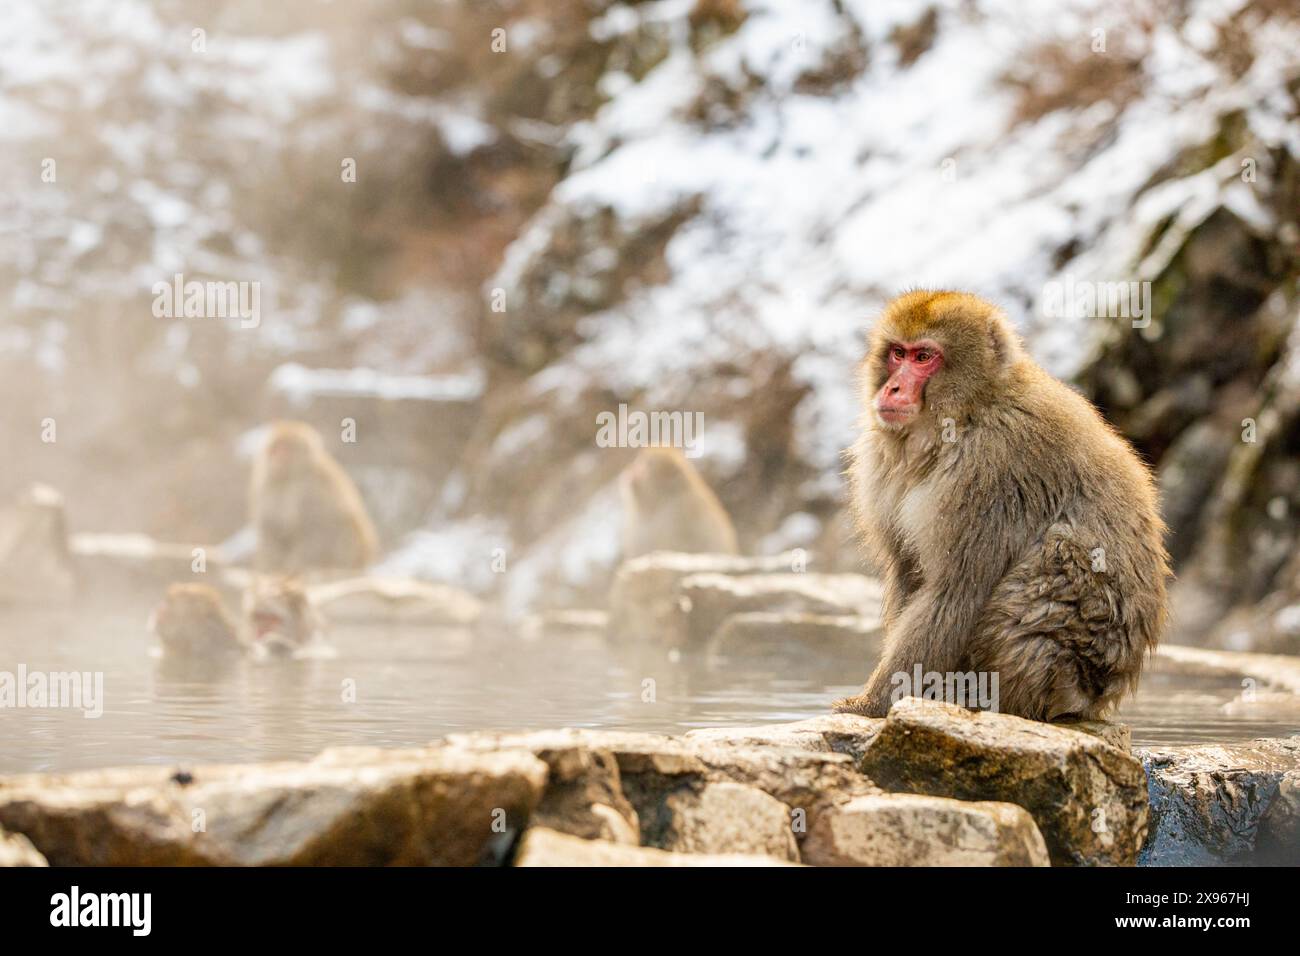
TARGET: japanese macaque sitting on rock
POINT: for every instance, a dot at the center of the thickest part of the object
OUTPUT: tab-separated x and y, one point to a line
281	619
306	511
668	507
192	623
1019	534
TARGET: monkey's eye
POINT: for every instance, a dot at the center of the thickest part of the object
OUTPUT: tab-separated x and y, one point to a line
898	352
924	356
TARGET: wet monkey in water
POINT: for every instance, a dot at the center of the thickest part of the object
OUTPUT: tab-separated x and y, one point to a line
280	616
192	623
1019	534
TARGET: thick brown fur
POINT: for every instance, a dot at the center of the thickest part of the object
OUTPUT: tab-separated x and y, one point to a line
667	506
306	510
192	623
1029	544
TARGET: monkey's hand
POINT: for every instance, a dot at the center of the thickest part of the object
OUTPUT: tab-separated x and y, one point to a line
930	635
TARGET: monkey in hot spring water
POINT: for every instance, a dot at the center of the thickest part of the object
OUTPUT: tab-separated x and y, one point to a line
1019	533
279	620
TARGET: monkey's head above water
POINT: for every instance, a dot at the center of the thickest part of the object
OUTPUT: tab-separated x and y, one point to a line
280	614
937	355
191	619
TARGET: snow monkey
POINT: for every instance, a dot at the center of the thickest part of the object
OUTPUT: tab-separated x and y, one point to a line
191	622
307	512
668	507
1020	534
280	616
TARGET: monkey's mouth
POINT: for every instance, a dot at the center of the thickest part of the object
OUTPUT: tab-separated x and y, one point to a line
895	416
266	625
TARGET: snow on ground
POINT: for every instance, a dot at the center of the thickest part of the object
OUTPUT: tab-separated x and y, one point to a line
300	384
470	553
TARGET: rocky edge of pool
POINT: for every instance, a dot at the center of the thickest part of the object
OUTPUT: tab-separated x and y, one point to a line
931	784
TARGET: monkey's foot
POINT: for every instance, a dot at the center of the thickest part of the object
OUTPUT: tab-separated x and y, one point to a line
860	705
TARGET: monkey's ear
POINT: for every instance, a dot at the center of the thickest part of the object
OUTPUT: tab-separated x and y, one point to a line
1004	342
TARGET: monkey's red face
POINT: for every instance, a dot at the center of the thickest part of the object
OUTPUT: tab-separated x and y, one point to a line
910	365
